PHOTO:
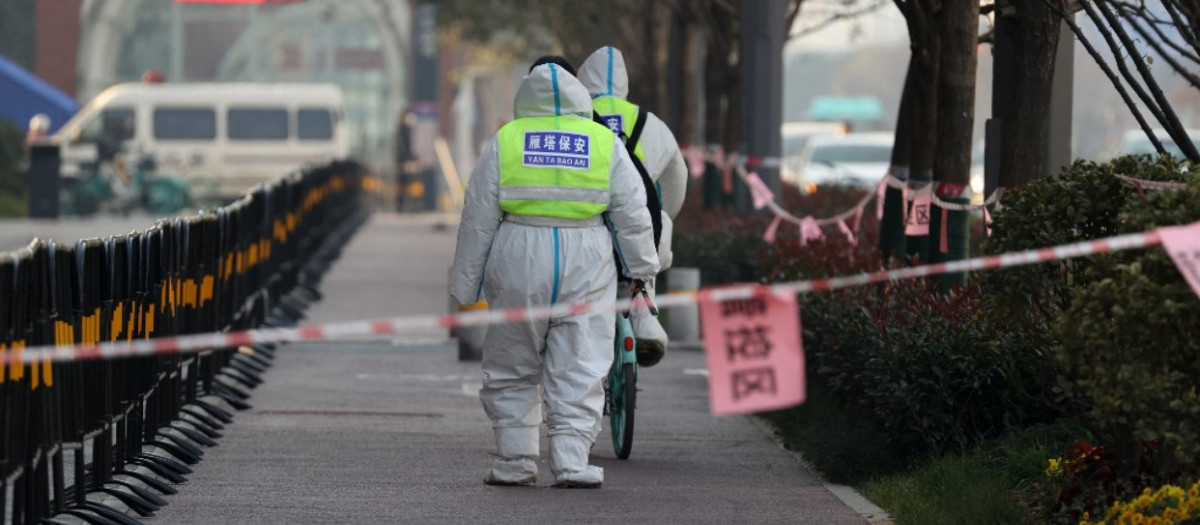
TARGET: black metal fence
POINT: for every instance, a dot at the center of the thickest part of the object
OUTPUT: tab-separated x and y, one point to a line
71	432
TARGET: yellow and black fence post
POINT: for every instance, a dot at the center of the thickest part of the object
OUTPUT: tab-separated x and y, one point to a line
131	423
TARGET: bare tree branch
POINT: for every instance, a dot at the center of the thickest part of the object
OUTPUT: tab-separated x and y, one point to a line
1116	49
1174	8
1160	41
1171	121
846	15
793	12
1056	6
1138	18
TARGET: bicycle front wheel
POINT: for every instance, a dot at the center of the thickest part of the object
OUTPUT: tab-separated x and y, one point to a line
623	391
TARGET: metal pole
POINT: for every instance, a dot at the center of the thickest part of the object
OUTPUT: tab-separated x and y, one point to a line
425	105
763	35
177	43
1058	140
1002	50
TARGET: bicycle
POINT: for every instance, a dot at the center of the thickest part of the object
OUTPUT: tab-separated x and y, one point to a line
620	391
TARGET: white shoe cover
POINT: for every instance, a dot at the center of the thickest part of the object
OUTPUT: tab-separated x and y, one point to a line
591	477
521	471
517	449
569	462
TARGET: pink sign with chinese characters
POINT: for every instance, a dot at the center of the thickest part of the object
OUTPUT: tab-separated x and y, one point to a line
1183	243
918	218
754	354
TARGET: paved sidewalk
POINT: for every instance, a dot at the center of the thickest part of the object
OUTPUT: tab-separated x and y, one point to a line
392	431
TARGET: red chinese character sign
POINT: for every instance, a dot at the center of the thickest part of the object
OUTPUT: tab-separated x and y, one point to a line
754	354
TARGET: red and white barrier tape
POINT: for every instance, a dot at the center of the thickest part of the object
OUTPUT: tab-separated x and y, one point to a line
200	342
810	227
1151	184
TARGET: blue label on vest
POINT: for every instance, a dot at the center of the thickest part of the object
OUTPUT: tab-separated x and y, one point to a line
614	122
557	149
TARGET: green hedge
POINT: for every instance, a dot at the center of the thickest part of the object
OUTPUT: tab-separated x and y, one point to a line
1131	343
1108	342
932	370
1079	204
1129	325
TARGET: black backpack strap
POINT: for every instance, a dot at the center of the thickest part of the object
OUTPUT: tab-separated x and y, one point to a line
652	201
635	134
653	205
597	119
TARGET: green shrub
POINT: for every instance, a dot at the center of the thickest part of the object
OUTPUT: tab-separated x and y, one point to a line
931	369
1130	340
723	255
1079	204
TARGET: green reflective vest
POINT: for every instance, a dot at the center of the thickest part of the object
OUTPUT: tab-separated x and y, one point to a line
620	115
555	167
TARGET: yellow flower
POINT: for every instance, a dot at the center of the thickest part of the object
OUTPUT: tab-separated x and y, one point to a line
1054	468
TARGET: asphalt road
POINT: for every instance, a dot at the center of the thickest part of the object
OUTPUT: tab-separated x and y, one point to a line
392	431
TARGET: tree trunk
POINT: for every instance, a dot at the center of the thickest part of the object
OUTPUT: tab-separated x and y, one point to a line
717	190
956	121
1026	125
647	48
714	90
891	228
925	117
688	96
672	113
683	80
733	108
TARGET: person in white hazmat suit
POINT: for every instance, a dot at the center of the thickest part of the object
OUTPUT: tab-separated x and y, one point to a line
605	77
532	234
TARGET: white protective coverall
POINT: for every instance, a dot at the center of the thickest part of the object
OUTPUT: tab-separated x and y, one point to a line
604	74
520	262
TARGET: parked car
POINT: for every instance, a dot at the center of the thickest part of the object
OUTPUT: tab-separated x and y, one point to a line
1135	142
854	159
796	136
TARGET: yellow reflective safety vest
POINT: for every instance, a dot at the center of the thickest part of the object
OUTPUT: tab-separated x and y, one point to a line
619	115
555	166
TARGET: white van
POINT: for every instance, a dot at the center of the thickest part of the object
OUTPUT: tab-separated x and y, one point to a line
224	138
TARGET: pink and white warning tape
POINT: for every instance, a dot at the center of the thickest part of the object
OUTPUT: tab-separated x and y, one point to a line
200	342
1150	184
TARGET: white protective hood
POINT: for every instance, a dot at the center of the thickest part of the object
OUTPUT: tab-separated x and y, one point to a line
547	91
604	73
